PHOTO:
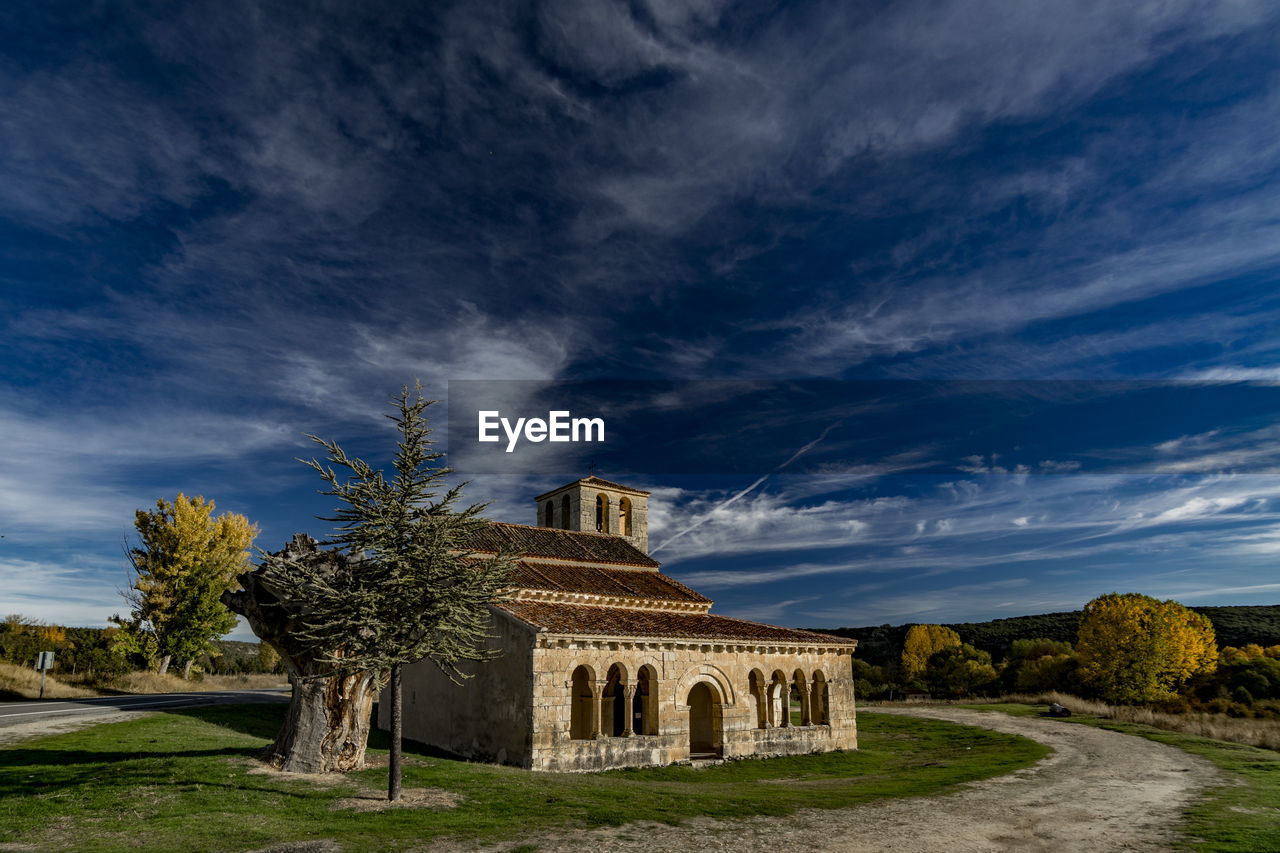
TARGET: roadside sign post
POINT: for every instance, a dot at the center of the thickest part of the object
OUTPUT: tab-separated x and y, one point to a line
44	663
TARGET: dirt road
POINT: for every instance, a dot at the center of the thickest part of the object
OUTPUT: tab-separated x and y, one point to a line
1099	790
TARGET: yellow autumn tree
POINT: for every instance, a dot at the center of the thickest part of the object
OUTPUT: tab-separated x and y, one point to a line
921	643
1134	648
185	560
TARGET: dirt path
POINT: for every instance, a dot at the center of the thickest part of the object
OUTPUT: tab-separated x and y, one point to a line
1099	790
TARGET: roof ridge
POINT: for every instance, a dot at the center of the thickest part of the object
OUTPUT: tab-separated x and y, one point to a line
781	627
561	530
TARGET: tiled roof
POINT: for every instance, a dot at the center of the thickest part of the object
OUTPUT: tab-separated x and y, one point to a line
593	580
559	544
593	480
618	622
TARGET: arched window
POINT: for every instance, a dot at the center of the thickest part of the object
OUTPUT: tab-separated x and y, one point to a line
800	700
602	514
582	713
779	695
644	708
624	516
756	690
614	702
564	512
549	514
819	701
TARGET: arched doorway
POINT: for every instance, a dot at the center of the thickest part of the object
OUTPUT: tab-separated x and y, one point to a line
705	722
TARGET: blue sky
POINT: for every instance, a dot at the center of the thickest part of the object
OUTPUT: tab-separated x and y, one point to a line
224	227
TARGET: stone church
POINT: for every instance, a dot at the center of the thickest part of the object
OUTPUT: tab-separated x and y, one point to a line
606	662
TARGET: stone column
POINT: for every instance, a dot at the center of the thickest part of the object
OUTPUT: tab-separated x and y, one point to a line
596	728
784	694
628	696
806	713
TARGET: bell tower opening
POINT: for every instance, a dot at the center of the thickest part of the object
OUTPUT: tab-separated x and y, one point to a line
597	506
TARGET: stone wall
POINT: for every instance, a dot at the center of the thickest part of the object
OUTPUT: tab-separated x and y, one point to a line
487	717
518	709
678	666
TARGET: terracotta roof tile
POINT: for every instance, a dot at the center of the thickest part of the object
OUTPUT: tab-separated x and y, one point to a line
596	580
560	544
619	622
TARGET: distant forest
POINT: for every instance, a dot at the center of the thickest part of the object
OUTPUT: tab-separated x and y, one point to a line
1233	626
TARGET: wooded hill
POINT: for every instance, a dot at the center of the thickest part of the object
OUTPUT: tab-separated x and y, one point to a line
1233	626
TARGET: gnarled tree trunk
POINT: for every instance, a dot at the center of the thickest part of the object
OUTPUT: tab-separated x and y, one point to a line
327	728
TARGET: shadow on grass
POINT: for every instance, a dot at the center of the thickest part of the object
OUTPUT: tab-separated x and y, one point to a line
256	720
15	758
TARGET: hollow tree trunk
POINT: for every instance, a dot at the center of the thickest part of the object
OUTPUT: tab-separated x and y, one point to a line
327	727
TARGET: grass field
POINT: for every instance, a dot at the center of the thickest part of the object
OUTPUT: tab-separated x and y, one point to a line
182	780
1242	814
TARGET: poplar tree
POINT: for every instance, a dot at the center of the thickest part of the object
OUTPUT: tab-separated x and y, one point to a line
1134	648
408	588
184	561
921	643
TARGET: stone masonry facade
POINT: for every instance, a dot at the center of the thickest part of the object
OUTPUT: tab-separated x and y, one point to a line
606	662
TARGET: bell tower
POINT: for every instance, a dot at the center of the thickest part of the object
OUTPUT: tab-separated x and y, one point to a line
597	506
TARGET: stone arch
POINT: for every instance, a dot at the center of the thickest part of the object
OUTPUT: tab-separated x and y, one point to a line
800	694
549	514
704	672
778	695
614	718
757	690
624	516
820	700
644	706
602	512
582	713
564	512
706	720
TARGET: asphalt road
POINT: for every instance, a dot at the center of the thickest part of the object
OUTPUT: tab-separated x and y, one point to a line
17	713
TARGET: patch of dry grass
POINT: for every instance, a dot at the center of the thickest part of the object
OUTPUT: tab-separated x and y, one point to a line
152	682
411	798
1262	733
19	682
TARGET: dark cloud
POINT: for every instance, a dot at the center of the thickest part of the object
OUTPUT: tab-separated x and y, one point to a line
237	222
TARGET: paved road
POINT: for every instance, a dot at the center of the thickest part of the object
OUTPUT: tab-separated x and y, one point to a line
19	713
